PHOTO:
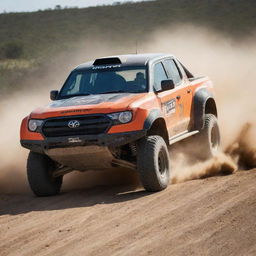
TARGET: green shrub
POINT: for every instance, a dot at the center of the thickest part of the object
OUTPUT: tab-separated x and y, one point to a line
12	50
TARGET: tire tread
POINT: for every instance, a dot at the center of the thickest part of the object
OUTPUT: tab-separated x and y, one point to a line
39	167
146	164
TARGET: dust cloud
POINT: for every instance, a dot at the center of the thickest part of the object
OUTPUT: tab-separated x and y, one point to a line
230	64
219	164
13	156
242	150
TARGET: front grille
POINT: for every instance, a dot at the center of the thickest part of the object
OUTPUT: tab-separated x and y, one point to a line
89	125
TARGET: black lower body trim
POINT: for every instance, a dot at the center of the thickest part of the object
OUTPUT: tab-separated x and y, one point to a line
106	140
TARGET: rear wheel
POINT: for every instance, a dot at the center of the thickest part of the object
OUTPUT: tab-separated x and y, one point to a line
39	171
209	137
153	163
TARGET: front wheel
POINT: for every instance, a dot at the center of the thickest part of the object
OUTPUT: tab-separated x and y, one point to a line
39	171
153	163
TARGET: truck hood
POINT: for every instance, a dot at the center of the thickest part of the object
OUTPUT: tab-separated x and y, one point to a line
91	104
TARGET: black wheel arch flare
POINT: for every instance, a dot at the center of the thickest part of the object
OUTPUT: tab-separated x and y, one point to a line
203	103
154	116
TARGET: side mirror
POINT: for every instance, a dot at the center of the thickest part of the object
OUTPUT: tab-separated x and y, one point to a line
54	94
167	85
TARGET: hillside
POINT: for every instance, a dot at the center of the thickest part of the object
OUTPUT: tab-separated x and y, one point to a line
40	36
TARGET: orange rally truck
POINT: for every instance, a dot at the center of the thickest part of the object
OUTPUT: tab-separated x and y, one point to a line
119	111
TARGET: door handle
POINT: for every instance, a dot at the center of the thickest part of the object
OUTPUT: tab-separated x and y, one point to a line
178	97
188	91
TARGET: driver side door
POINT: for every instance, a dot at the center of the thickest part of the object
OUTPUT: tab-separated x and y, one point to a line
169	99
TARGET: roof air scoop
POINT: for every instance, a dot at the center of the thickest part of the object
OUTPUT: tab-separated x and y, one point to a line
107	61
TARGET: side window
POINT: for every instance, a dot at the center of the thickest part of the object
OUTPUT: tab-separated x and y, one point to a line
159	75
172	71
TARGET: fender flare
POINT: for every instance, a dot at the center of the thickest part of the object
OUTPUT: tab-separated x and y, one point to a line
199	103
154	114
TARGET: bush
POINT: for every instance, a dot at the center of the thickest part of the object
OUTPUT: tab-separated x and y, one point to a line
12	50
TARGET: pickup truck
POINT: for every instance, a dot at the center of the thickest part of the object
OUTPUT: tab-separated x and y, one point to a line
117	111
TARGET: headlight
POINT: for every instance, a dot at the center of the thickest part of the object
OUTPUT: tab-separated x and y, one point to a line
34	124
121	117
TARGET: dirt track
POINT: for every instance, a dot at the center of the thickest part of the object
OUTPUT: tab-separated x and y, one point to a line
213	216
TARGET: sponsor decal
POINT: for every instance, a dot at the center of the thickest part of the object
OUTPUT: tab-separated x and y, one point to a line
74	140
170	107
75	111
107	67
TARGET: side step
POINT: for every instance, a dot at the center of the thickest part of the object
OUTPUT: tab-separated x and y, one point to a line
181	136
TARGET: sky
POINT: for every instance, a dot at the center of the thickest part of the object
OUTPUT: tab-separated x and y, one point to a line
34	5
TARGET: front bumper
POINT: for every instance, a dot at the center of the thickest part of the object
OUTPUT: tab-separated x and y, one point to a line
87	152
104	140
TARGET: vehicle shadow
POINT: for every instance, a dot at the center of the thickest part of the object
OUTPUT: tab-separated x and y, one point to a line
20	204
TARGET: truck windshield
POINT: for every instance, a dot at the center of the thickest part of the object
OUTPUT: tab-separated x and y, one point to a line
105	80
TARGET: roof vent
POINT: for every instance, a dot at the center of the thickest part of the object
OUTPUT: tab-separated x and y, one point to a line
107	61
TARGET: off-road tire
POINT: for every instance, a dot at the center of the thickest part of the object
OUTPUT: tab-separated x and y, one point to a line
209	137
153	163
39	173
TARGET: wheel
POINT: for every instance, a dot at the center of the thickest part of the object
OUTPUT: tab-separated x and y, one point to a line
209	137
39	172
153	163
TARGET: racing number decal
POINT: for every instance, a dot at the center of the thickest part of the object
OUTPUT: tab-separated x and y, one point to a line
170	107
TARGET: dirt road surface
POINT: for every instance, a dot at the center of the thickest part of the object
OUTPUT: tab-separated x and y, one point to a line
212	216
